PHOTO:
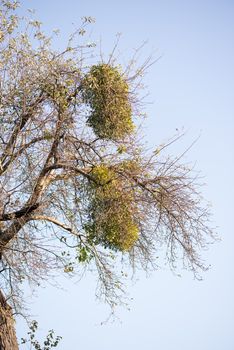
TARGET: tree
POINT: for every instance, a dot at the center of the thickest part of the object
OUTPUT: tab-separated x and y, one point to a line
78	190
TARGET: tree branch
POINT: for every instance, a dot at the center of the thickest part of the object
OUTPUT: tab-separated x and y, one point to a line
19	213
18	127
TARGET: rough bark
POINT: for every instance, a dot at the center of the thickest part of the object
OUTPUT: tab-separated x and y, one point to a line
8	340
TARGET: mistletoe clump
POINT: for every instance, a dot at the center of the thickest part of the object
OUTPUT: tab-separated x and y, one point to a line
112	210
106	92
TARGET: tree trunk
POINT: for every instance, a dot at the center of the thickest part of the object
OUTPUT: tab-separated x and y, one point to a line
8	340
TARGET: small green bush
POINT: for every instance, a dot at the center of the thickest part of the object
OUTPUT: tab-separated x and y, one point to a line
106	91
112	211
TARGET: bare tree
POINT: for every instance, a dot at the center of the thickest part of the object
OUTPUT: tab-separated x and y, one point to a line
77	189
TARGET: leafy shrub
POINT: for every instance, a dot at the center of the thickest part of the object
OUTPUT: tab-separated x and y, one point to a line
106	91
112	210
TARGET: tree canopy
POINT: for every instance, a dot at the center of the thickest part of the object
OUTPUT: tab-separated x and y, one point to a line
77	188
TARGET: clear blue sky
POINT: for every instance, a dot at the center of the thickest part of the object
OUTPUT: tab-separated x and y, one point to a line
191	86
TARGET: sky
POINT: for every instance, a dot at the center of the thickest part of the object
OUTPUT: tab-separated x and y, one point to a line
191	86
